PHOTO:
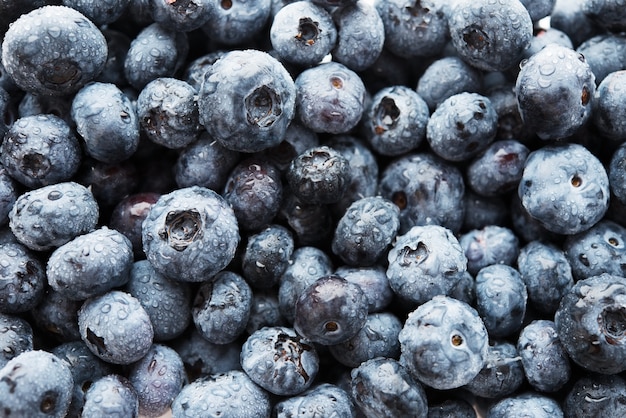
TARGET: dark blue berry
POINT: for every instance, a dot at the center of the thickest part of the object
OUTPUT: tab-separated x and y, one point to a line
546	36
16	337
538	9
182	16
596	395
312	224
22	279
111	396
324	399
57	317
608	109
194	71
609	14
373	282
236	22
454	407
100	13
502	373
492	244
481	211
525	404
266	256
264	311
128	215
118	43
605	54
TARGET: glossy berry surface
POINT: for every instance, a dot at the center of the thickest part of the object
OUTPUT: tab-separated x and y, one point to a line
502	373
326	399
111	395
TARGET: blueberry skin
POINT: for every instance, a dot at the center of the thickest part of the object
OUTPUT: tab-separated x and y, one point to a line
57	317
617	173
502	373
312	224
330	311
524	405
266	256
118	44
573	180
42	54
235	23
547	274
501	298
194	71
608	13
545	37
492	244
264	311
481	211
16	337
538	9
22	279
491	37
462	126
425	262
608	111
570	17
50	216
302	33
330	98
373	282
157	378
115	327
446	77
231	394
444	343
383	387
360	36
128	215
510	124
35	384
600	249
297	139
414	29
605	54
280	361
525	226
366	230
555	89
167	302
590	323
427	189
106	120
325	399
221	307
190	234
181	16
109	183
40	150
457	408
168	113
205	163
90	264
596	395
9	192
377	338
395	121
156	51
100	13
111	396
498	169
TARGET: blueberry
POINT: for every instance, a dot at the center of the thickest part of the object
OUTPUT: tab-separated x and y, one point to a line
538	9
607	13
555	89
128	215
510	124
231	394
525	226
16	337
425	262
526	404
109	183
383	387
35	384
427	189
167	110
99	13
118	43
462	126
115	327
324	399
312	224
331	310
190	234
266	256
34	105
596	395
42	53
571	18
297	139
157	378
280	361
40	150
330	98
457	408
167	302
395	121
7	109
22	279
502	373
444	343
194	71
264	311
90	264
111	396
373	282
547	274
481	211
50	216
221	308
57	317
182	16
605	54
492	244
106	120
546	36
366	230
608	111
573	180
236	22
302	33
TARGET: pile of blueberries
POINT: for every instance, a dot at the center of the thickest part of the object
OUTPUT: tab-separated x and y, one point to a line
323	208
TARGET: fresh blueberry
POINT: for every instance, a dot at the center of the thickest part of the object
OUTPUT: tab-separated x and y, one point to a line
109	183
128	215
157	378
182	16
444	343
502	373
35	384
425	262
510	124
231	394
546	36
190	234
118	43
570	17
302	33
547	274
324	399
53	50
50	216
167	302
7	110
455	407
492	244
111	396
609	14
16	337
373	282
525	226
591	323
264	311
106	120
34	105
221	307
526	404
280	361
194	71
481	211
605	54
40	150
115	327
56	317
596	395
608	108
573	180
312	224
555	89
538	9
330	98
266	256
236	22
100	13
395	121
331	310
22	279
